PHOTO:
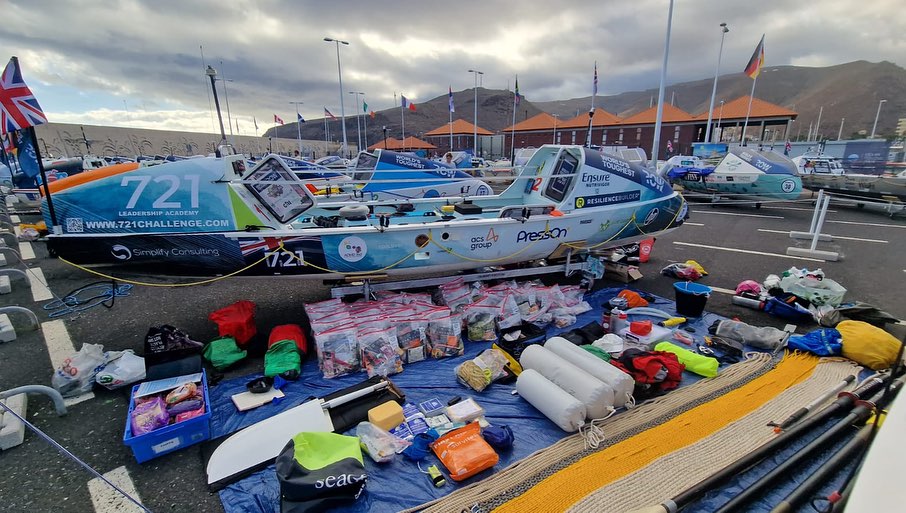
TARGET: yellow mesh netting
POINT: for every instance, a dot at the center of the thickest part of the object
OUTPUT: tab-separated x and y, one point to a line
563	489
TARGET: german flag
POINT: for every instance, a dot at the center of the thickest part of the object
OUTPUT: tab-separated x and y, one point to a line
753	68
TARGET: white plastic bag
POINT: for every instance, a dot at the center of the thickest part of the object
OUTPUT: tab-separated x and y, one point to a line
76	375
127	368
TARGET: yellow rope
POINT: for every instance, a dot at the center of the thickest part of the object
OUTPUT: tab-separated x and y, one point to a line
547	229
562	490
147	284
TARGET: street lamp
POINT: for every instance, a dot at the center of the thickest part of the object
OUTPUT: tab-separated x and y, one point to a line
723	32
873	127
342	104
358	125
212	74
660	92
384	128
720	116
298	125
475	120
554	141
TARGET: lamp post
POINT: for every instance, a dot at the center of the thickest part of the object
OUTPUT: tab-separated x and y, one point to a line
720	116
873	127
723	32
660	93
475	118
212	74
358	124
342	104
384	128
554	141
298	125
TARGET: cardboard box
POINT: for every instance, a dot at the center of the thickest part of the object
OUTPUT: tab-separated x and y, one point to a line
621	272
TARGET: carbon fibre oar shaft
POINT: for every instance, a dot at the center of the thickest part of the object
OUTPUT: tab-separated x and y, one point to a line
845	455
802	412
858	415
844	403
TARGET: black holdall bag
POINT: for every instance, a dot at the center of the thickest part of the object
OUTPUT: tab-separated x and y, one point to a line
170	352
319	471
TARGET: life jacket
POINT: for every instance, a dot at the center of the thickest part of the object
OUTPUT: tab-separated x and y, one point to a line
654	372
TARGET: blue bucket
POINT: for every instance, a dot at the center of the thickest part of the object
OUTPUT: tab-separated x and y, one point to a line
691	298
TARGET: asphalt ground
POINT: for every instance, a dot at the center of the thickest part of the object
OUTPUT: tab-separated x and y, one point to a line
35	477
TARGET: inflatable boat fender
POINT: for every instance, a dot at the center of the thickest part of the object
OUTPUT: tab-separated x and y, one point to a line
621	383
555	403
596	395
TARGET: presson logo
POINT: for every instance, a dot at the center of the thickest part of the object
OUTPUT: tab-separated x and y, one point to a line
121	252
553	233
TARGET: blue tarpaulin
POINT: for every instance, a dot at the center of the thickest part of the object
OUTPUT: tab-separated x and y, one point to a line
399	484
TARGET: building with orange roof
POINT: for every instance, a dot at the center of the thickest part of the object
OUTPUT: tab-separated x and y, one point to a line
462	132
541	129
389	143
729	119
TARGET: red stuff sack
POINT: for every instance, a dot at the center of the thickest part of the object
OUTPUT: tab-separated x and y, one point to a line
289	332
237	321
464	452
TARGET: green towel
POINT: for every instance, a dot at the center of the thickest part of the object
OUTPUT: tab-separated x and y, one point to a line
223	352
694	362
600	353
281	357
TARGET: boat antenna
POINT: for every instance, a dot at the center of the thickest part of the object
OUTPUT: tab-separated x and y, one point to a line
212	74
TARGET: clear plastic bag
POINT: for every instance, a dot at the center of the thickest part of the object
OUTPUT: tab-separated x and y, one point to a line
508	314
380	352
482	370
410	333
380	445
562	317
329	322
444	336
572	294
338	351
481	323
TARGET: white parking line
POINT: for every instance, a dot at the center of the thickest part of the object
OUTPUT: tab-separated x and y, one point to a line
39	290
722	290
693	224
794	208
26	251
108	500
15	219
59	348
736	214
746	251
834	236
869	224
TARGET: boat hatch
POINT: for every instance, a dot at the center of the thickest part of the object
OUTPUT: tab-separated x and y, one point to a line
278	189
562	177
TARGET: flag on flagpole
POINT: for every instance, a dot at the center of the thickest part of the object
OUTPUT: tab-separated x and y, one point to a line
594	89
255	120
328	114
452	108
406	104
301	119
277	119
753	68
364	106
518	97
371	114
18	106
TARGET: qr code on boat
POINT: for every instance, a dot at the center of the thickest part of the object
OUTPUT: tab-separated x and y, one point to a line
74	225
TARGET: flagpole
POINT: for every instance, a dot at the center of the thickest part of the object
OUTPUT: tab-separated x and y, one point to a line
450	112
749	111
298	126
591	113
238	141
513	126
660	93
57	229
364	125
403	117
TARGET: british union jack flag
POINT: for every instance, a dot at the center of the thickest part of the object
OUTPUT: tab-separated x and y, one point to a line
18	106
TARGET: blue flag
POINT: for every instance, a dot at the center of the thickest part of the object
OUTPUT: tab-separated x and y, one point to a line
28	159
300	118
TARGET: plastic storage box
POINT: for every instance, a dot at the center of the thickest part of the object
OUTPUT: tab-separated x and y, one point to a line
170	438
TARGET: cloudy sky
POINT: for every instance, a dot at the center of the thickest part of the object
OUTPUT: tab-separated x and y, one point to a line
138	63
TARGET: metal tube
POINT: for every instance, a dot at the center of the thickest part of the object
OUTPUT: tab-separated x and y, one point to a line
660	93
877	114
55	396
811	228
820	224
723	32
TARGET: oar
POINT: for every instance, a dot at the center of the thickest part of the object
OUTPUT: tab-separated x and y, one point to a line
844	403
802	412
827	469
857	416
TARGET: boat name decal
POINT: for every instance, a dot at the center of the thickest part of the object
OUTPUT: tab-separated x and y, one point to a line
553	233
618	166
607	199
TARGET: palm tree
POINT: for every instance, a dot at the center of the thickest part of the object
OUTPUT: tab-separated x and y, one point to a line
110	146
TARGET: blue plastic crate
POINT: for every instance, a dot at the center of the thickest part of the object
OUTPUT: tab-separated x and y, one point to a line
170	438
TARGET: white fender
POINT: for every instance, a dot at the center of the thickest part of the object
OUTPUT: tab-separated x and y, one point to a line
596	395
621	383
556	404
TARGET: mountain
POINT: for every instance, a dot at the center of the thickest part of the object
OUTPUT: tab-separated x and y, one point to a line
851	91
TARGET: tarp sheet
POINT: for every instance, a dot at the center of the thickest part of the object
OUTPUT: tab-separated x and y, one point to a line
399	484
